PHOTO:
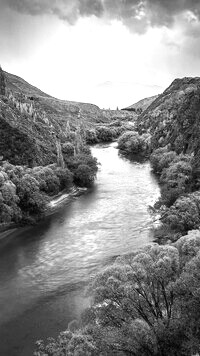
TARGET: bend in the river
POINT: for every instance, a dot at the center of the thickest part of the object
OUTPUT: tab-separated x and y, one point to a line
43	270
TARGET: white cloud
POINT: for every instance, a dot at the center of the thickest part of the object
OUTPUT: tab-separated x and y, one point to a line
71	62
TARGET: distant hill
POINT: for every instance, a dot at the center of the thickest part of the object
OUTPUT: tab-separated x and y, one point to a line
31	121
63	109
174	117
141	105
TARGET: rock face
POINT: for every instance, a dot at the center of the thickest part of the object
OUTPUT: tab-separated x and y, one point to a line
2	82
174	117
141	105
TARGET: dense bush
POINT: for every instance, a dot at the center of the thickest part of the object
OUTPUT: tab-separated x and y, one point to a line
131	143
91	136
68	149
84	176
24	191
176	180
161	158
145	304
105	133
175	174
89	160
184	214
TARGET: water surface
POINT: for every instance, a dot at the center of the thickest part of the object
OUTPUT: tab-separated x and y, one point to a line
44	269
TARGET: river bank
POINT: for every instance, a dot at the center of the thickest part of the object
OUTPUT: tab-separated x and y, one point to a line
44	269
56	202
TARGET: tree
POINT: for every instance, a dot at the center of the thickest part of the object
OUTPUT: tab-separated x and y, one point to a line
83	176
146	304
68	149
32	201
130	142
91	136
161	158
104	134
138	287
2	82
184	214
67	343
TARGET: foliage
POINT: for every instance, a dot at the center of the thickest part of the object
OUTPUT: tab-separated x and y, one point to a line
16	146
105	133
184	214
89	160
29	188
91	136
84	176
67	343
161	158
144	304
176	180
24	191
130	142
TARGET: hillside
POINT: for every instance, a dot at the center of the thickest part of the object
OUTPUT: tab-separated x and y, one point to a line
32	122
141	105
64	109
173	118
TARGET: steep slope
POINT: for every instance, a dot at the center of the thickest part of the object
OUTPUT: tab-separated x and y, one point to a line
141	105
174	117
63	110
33	124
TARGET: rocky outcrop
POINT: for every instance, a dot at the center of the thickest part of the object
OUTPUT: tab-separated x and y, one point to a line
174	117
173	120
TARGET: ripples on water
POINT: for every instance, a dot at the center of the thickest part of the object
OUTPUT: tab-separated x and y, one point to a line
41	267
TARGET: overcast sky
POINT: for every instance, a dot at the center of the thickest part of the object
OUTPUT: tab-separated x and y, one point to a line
107	52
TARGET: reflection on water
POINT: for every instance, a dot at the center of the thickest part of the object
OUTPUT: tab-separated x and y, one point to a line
43	269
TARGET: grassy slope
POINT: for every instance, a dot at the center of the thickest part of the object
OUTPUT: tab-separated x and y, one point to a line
39	129
62	110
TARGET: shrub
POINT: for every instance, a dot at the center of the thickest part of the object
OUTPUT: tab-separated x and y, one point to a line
91	136
104	134
65	177
132	143
161	158
68	149
184	214
84	176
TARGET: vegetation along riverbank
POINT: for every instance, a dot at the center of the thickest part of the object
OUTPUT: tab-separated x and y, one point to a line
43	146
147	303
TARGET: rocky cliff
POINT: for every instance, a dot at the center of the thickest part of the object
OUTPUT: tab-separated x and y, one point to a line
174	117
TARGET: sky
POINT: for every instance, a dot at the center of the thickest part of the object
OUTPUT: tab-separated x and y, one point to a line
111	53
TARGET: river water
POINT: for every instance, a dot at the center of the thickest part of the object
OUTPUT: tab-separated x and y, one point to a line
44	269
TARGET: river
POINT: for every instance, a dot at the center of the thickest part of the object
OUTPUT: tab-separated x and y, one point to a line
44	269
